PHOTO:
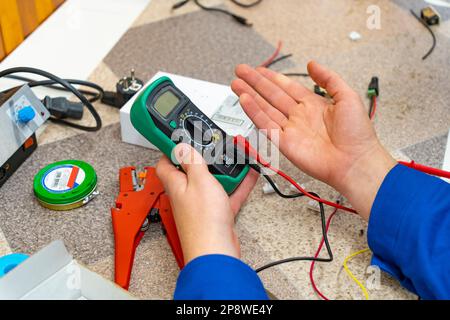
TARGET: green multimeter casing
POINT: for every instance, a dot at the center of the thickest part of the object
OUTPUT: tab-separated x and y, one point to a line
162	108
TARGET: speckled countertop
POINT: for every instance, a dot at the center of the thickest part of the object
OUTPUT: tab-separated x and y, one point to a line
412	121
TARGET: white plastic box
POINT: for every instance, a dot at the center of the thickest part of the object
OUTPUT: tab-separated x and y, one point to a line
216	101
52	274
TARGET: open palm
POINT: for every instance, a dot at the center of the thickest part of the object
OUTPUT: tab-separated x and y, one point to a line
322	137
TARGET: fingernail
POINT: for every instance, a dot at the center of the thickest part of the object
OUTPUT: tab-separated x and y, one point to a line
181	151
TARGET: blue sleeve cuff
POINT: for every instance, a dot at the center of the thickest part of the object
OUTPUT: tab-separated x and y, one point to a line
219	277
387	214
408	231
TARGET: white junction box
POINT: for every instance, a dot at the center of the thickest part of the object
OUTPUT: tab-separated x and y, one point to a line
52	274
216	101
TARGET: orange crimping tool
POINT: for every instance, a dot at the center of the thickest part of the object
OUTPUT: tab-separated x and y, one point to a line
141	201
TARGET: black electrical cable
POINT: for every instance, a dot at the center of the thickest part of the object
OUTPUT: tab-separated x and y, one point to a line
287	56
53	85
323	222
295	74
96	96
246	5
274	186
277	190
180	4
236	17
215	9
238	3
293	259
66	85
431	32
289	74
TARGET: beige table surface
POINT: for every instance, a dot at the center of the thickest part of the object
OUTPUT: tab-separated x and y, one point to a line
413	108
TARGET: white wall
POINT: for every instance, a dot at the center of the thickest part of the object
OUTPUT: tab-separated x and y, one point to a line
76	38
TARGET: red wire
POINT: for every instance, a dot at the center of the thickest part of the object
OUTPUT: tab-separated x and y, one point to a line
374	107
299	188
413	165
313	263
242	143
274	55
429	170
250	151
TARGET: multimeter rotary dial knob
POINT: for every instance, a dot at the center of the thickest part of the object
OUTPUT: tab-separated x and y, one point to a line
199	130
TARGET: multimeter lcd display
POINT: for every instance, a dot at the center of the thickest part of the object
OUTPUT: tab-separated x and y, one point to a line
166	103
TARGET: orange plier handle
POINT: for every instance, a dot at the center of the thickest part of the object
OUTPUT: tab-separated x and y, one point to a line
139	194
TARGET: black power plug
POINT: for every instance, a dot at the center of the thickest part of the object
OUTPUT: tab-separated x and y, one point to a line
62	108
126	88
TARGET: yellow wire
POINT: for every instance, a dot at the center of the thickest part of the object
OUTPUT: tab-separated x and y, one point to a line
350	274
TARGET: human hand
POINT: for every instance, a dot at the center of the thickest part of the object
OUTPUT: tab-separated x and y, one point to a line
203	212
331	140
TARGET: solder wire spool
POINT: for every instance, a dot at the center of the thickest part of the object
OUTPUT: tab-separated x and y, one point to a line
65	185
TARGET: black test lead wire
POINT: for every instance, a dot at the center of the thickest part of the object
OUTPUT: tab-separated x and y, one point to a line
323	223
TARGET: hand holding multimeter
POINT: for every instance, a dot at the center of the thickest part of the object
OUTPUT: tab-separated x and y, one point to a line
166	117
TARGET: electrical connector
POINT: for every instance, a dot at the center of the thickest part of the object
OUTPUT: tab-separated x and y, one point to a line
430	16
319	91
62	108
126	88
374	89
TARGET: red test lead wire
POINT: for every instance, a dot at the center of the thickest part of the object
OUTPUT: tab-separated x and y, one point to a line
413	165
426	169
313	263
249	151
245	146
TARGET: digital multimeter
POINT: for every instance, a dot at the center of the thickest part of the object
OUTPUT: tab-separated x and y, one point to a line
165	117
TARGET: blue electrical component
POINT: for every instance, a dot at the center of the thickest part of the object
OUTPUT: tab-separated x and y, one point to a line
9	262
21	114
26	114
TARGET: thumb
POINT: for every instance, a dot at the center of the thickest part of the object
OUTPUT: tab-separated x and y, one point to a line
172	178
330	81
190	160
